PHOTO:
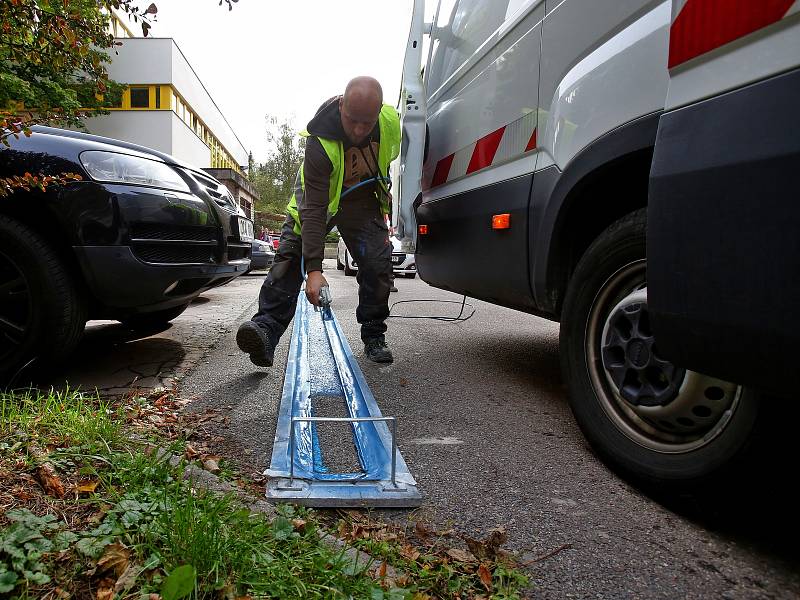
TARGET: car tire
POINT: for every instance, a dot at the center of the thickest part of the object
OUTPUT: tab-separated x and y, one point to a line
42	309
661	425
347	270
157	318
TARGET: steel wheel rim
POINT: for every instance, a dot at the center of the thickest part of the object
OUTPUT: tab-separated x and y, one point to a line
707	402
16	307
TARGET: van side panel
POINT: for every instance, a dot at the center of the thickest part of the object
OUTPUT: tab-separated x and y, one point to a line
604	63
462	253
481	123
492	88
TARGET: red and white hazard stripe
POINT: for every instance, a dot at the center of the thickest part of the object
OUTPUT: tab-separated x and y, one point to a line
700	26
498	146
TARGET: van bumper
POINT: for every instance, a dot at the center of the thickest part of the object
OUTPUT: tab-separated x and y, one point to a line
723	244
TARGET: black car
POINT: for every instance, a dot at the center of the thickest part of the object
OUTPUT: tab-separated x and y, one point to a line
136	239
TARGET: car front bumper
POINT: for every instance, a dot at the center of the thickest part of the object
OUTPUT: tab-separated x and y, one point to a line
140	287
143	249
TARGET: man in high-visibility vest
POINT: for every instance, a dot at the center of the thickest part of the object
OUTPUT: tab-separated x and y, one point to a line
342	182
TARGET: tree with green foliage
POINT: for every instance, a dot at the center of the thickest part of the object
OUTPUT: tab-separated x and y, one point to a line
274	179
53	59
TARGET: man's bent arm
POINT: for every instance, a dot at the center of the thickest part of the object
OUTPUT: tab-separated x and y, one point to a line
313	208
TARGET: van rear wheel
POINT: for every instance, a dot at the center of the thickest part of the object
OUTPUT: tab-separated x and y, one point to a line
653	420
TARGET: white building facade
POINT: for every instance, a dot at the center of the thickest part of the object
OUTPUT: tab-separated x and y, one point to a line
166	107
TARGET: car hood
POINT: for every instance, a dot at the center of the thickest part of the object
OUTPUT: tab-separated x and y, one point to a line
114	145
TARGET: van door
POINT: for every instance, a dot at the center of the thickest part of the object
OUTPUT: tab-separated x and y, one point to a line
407	172
481	82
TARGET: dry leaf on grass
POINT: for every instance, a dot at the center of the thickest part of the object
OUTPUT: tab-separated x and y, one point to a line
422	530
299	524
210	464
190	452
127	579
86	487
486	577
489	546
460	555
382	570
115	559
105	590
409	552
49	480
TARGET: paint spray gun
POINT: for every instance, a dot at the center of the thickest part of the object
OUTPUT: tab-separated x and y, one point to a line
325	300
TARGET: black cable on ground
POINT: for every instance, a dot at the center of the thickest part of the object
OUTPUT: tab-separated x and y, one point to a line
446	319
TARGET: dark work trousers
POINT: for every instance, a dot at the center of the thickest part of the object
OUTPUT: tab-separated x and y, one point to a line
367	239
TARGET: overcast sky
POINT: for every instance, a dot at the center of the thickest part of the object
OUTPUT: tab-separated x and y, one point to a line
285	57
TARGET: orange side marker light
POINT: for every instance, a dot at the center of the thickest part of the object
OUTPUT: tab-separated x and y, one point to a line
423	229
501	221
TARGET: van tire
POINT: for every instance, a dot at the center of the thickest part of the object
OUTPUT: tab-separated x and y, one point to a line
632	437
39	295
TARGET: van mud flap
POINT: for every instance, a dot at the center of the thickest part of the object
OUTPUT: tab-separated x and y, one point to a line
322	375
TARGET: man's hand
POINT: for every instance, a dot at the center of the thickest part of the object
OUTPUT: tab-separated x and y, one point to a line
316	280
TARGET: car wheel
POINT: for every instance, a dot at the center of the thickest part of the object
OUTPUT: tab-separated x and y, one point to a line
154	319
42	312
653	420
347	270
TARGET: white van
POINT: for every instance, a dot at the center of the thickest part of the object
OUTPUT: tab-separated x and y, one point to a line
531	126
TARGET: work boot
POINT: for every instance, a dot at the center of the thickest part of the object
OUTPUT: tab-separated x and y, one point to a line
254	340
393	288
376	350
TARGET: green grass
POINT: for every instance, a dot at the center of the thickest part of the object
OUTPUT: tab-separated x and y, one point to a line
70	417
159	533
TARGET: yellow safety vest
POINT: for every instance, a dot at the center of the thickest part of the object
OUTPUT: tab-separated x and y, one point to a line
388	149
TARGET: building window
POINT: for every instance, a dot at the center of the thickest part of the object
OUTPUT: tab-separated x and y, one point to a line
158	96
140	98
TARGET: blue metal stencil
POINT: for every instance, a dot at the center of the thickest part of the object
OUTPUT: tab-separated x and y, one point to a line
321	364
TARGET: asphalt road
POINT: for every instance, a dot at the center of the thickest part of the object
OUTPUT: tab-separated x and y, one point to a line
485	429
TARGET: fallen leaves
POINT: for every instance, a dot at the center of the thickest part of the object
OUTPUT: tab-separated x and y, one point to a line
489	547
115	559
49	480
485	576
211	464
46	473
461	556
86	487
430	552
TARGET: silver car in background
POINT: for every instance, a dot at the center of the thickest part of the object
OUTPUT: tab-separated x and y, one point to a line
403	263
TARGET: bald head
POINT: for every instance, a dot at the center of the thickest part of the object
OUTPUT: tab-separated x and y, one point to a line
360	107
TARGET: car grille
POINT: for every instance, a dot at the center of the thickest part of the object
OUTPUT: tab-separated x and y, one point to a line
156	231
166	243
174	254
238	253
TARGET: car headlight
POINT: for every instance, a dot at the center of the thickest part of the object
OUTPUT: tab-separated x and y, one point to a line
122	168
